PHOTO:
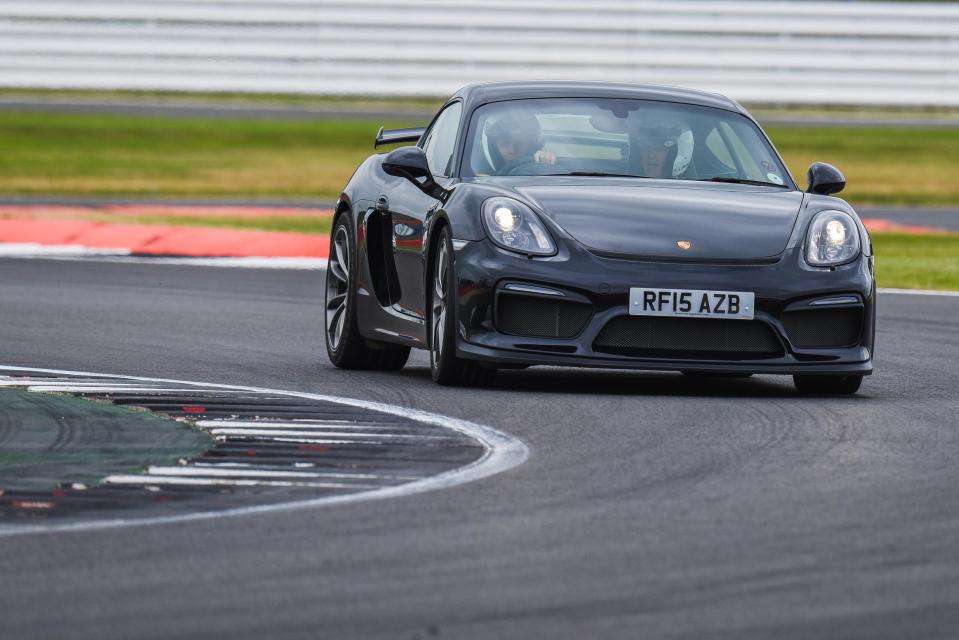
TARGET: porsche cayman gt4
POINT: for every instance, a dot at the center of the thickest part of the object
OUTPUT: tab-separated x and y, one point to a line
598	225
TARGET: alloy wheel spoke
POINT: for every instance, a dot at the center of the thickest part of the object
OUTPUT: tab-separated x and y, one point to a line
337	287
338	300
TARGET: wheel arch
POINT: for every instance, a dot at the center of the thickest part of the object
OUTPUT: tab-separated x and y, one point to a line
437	224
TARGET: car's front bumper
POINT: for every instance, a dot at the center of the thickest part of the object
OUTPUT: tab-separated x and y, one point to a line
780	287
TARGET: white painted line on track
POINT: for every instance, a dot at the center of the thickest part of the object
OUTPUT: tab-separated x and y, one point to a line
292	424
64	388
501	453
36	250
310	433
140	480
241	466
921	292
123	256
209	472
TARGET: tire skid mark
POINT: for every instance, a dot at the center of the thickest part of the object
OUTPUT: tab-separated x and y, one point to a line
271	450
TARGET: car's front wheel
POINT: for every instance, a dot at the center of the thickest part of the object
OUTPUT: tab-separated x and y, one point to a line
827	385
445	367
344	344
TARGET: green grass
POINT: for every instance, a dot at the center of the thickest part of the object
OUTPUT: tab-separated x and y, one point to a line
81	154
917	262
882	166
84	154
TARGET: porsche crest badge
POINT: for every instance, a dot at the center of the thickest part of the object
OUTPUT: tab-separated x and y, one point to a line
684	244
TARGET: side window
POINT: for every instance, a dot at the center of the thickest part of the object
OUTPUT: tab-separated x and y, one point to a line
441	140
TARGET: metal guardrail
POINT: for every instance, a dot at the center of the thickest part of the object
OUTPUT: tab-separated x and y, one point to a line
761	52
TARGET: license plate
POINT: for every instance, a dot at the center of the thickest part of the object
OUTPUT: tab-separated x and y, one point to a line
735	305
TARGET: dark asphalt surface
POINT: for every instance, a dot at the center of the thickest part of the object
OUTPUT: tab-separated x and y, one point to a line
652	506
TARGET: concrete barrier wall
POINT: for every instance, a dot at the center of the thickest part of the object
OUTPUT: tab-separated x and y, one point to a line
769	52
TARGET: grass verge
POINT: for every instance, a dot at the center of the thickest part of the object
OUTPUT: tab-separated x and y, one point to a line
917	262
120	155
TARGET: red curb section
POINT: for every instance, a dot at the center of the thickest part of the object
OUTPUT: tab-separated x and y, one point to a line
166	240
880	225
145	239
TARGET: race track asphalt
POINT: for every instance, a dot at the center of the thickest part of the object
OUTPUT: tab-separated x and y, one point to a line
652	506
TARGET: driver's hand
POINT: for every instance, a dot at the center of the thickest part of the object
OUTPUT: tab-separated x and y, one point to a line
545	157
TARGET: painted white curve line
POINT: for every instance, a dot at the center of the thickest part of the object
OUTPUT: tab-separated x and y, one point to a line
210	472
147	480
311	423
501	453
123	256
921	292
311	433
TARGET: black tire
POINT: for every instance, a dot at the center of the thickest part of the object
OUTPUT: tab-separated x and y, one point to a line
445	367
827	385
344	344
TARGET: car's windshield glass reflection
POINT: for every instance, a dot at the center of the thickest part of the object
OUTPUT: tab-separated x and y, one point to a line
619	137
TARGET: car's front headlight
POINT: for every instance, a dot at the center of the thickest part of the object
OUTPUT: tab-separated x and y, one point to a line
512	225
833	239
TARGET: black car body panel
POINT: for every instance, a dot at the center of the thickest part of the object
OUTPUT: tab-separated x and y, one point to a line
743	237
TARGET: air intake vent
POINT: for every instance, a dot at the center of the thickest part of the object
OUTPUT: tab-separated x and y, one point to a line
823	328
535	317
701	338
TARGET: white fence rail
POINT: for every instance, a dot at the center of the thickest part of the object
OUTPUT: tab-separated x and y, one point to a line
756	51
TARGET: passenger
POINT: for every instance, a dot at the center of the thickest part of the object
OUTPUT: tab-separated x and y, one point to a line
658	149
514	140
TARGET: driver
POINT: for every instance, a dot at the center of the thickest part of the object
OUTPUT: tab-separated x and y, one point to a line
658	147
514	140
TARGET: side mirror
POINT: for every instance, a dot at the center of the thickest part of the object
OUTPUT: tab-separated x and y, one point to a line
410	163
825	179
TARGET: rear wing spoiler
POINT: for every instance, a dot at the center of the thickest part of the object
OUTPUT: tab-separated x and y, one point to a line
392	136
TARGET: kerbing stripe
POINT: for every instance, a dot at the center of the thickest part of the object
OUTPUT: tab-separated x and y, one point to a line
501	453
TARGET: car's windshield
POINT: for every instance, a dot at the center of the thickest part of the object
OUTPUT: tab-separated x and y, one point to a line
598	136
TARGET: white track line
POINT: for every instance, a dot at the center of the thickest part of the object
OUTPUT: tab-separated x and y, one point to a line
310	433
225	471
215	472
146	480
123	256
36	250
63	388
921	292
311	423
502	452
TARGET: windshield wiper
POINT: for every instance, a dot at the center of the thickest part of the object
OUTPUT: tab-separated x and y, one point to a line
761	183
598	174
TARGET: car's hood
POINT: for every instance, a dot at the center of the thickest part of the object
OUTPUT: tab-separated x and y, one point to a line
724	222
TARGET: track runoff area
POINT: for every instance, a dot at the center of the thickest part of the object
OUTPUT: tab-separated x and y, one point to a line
268	450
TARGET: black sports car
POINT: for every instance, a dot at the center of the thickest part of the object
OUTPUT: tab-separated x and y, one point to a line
598	225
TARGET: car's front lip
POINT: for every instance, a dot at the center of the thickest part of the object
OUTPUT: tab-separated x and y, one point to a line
482	268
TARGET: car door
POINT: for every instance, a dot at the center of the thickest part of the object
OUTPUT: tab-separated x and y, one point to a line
409	208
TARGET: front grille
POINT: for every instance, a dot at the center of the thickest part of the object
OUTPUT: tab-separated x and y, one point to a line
535	317
704	338
823	328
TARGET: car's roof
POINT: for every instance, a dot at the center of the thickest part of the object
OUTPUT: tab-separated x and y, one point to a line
481	93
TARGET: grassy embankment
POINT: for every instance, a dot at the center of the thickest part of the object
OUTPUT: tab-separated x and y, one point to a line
79	154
